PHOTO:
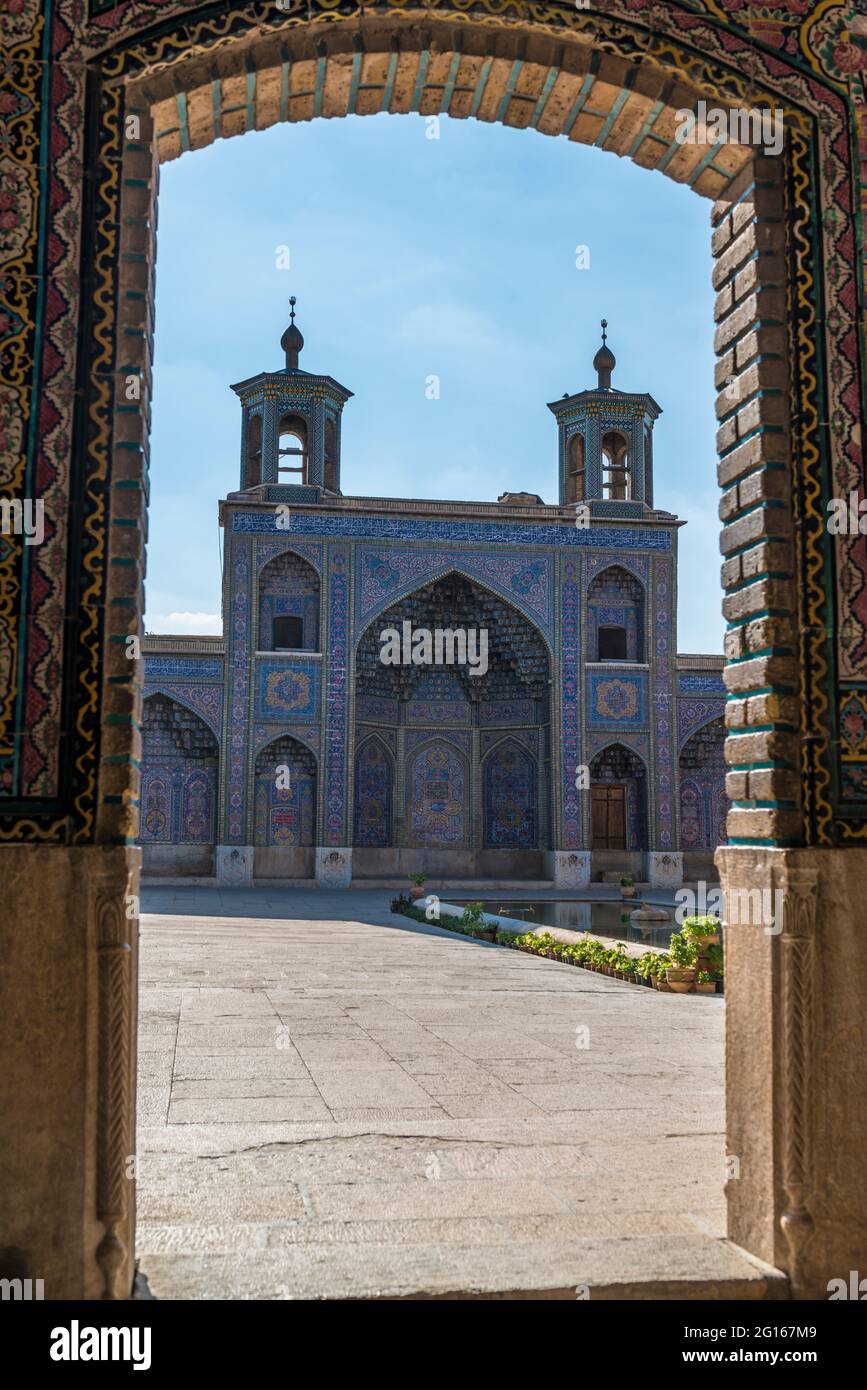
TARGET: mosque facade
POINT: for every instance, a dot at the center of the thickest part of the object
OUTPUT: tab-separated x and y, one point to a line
464	689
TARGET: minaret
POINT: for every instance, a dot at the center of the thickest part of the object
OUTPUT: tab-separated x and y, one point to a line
606	455
290	430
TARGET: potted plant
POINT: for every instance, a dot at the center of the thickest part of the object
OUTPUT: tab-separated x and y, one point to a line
680	974
627	886
703	931
646	967
618	960
472	920
630	970
418	881
704	982
660	980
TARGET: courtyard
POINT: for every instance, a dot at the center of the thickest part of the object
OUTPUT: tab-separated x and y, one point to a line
337	1102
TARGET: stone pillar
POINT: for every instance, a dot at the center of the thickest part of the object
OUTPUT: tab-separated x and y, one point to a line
69	943
796	1121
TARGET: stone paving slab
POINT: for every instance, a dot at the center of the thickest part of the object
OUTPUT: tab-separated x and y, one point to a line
338	1102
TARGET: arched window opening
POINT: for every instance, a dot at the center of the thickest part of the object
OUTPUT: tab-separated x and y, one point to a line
288	634
615	466
292	449
612	644
575	475
615	616
288	605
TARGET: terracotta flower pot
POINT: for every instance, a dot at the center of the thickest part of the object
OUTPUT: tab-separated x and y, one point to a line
681	981
415	893
709	987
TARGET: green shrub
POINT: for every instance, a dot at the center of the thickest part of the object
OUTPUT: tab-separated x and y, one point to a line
684	953
472	915
699	926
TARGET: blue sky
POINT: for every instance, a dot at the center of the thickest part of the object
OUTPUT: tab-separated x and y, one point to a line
414	257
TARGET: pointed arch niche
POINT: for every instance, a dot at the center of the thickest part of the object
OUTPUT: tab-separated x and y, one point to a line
452	765
178	790
284	809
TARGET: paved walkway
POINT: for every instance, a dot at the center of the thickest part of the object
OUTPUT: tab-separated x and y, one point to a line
334	1101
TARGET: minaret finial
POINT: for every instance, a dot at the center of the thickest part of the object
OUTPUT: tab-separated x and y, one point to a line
604	362
292	341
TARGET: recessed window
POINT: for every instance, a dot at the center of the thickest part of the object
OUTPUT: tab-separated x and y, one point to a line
288	634
612	644
615	466
292	450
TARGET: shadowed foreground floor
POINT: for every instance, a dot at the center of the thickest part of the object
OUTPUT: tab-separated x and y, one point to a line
335	1102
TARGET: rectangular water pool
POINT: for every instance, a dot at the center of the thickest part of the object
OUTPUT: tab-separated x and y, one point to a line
602	918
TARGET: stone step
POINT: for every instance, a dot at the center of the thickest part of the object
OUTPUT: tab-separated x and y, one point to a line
675	1267
669	1268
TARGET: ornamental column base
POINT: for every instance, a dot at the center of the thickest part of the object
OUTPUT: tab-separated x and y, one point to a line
333	866
234	866
568	868
663	869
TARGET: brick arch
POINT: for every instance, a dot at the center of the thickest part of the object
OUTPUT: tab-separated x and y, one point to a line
547	72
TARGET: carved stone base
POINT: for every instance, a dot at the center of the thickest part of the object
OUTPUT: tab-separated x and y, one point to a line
568	868
69	947
333	867
234	865
796	1003
664	869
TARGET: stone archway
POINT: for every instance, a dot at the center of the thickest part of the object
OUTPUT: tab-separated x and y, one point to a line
128	85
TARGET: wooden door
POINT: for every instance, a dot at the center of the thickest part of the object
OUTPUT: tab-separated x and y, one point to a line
608	806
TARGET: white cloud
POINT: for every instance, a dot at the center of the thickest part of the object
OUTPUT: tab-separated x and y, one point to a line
194	624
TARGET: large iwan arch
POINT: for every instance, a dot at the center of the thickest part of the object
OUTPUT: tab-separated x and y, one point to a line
130	84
